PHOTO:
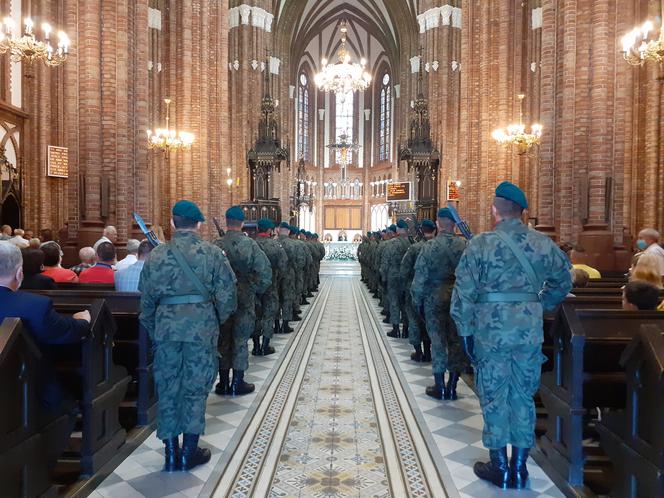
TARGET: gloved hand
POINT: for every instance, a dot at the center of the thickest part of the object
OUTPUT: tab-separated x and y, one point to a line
468	343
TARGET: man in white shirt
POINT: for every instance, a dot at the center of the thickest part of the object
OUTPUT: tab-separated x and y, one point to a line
110	235
126	279
649	243
132	255
18	239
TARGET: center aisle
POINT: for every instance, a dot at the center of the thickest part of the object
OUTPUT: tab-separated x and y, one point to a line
333	422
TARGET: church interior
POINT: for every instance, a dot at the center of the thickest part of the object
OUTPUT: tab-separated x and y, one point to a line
347	120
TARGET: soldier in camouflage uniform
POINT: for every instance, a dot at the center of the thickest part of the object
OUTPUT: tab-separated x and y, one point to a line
505	281
417	334
321	256
267	305
371	274
310	276
300	278
183	325
254	276
361	256
288	293
391	274
387	235
432	291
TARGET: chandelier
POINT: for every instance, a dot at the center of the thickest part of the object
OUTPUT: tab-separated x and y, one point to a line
27	48
516	135
343	77
640	44
344	147
166	139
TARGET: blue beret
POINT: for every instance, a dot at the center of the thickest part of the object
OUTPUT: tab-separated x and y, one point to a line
284	224
294	229
402	224
511	192
315	235
392	228
428	224
302	230
189	210
264	224
235	213
445	213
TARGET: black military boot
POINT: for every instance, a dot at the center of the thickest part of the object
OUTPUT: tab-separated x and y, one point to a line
518	469
395	332
404	331
436	391
310	295
417	355
224	385
286	328
239	386
277	326
257	345
297	316
304	301
383	312
426	352
450	388
192	455
266	349
171	454
386	319
496	470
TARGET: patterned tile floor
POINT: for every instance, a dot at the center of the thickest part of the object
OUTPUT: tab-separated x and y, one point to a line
339	411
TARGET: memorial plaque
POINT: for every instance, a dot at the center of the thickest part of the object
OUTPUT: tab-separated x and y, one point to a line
398	191
58	162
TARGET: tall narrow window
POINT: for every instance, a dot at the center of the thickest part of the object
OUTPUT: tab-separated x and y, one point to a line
344	121
385	132
303	117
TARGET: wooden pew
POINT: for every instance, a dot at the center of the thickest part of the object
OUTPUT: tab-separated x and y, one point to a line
100	386
133	349
634	438
30	441
91	287
588	344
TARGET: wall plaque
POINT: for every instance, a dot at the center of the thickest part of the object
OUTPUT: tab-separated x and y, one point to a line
58	162
398	191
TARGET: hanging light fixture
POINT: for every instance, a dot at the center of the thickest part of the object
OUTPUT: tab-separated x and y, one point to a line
641	45
343	77
516	135
27	48
166	139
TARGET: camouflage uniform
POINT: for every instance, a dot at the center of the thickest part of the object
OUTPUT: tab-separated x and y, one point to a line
380	283
300	278
416	328
185	335
288	292
361	257
432	291
254	275
508	335
268	304
390	273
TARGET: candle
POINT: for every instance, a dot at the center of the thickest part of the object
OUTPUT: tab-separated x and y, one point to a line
28	25
46	28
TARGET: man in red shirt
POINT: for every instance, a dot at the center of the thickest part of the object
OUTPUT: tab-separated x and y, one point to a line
102	272
52	260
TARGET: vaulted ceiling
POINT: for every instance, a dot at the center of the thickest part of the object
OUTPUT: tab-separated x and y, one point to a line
377	29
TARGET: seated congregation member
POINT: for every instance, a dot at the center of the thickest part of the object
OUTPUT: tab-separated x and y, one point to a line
52	264
102	272
88	258
33	266
5	232
579	259
505	280
649	243
46	326
35	243
126	279
132	255
580	278
646	269
640	296
187	292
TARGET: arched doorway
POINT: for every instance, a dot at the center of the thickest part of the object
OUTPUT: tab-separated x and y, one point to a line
10	212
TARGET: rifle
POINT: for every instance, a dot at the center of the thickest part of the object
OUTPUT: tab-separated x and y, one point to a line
463	226
149	234
219	229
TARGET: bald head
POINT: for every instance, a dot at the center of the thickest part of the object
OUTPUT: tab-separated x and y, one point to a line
87	255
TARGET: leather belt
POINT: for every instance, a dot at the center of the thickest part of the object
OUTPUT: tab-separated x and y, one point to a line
508	297
186	299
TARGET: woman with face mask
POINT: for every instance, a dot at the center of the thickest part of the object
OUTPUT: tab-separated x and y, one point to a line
648	243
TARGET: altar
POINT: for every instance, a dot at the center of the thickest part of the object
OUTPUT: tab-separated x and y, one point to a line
341	251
